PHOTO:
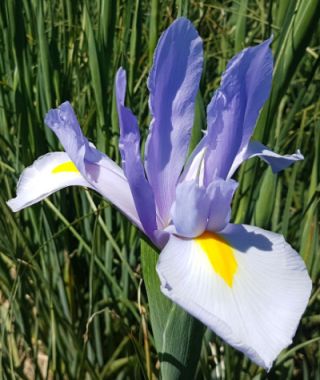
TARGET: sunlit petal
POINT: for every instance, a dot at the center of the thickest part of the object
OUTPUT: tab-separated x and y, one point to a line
173	84
104	175
234	108
190	210
220	193
131	161
275	160
246	284
48	174
194	168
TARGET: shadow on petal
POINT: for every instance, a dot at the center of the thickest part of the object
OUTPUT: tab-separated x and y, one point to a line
242	239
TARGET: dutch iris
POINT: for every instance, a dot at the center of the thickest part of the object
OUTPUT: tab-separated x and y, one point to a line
246	284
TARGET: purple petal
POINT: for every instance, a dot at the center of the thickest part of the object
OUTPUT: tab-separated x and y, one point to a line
173	84
275	160
234	108
131	160
100	171
63	122
190	210
221	193
194	168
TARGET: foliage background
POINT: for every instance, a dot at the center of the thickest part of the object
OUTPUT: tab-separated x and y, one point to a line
72	300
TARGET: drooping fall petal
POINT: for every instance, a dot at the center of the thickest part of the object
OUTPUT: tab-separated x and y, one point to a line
48	174
246	284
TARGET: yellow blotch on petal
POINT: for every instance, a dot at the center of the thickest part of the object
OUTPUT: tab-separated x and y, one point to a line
68	166
220	255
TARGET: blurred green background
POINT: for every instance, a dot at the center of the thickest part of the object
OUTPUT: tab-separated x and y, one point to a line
72	299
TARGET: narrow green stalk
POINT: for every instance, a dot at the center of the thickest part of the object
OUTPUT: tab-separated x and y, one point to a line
96	79
178	336
240	25
153	28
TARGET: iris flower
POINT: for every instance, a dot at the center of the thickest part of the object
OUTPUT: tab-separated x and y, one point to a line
246	284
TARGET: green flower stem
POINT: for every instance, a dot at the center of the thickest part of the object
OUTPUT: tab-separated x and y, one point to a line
177	335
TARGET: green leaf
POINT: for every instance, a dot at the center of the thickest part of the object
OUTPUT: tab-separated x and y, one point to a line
96	77
240	32
177	335
199	123
290	51
159	305
265	202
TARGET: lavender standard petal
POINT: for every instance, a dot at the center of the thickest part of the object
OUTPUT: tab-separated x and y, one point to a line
194	168
173	84
131	161
234	108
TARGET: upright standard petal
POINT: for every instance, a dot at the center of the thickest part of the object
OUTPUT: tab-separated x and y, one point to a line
100	171
48	174
194	168
131	160
246	284
275	160
173	84
234	108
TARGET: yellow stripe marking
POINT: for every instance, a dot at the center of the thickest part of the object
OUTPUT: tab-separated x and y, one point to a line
220	255
68	166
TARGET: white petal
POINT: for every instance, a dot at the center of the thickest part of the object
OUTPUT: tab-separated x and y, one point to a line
42	178
108	179
256	301
46	175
